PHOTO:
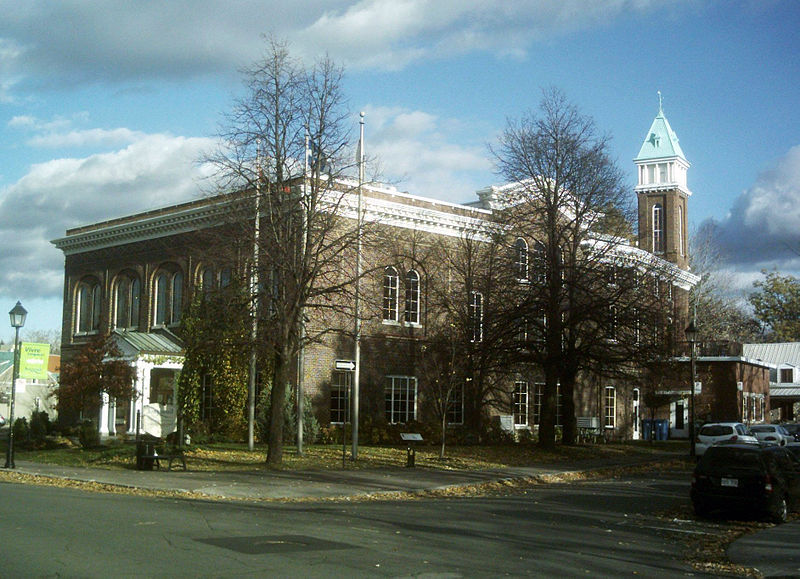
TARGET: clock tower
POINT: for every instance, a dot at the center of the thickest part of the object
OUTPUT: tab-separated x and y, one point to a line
662	193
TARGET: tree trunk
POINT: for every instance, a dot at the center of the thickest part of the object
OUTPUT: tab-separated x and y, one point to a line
277	401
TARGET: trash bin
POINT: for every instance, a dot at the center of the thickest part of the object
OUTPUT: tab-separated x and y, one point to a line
145	450
647	429
662	429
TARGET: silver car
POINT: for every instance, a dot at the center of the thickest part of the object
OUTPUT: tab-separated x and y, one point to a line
714	432
772	433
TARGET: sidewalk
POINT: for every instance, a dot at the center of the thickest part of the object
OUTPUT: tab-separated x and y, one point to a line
323	484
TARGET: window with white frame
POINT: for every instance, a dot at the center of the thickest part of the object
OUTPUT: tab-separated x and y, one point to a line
340	397
520	403
89	306
540	261
521	258
680	230
412	297
391	282
612	323
538	391
455	405
168	305
745	417
127	297
476	315
538	397
401	399
658	228
610	407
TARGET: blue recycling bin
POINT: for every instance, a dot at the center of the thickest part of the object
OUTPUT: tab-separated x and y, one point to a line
662	429
647	428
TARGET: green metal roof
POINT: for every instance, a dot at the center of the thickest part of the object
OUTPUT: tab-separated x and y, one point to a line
133	344
661	141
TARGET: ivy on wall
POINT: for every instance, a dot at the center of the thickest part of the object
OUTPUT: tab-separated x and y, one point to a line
216	334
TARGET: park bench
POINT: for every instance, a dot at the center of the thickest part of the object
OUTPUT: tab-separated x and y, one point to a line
152	451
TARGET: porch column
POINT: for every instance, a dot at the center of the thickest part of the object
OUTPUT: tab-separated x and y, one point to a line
103	421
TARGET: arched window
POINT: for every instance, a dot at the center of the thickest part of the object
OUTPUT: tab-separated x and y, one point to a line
89	306
412	297
168	293
225	277
521	258
127	297
207	279
391	283
540	261
658	228
476	316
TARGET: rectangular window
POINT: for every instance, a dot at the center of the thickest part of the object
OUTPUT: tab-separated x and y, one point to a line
340	397
476	316
538	389
455	405
679	418
787	376
610	407
744	408
538	395
520	403
391	283
401	399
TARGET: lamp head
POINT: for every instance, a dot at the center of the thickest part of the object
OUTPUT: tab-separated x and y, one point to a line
18	315
691	332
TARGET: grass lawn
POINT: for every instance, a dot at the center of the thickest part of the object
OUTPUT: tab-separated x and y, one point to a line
232	456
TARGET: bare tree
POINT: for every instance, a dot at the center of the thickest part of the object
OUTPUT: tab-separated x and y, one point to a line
285	151
721	314
583	298
470	297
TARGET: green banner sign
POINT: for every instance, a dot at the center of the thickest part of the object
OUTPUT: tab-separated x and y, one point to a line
33	359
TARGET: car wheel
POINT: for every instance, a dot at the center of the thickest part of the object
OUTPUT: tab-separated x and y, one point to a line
701	510
779	511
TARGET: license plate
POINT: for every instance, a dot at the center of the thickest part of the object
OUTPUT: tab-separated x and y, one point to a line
729	482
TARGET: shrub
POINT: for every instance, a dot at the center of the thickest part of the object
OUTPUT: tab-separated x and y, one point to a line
40	426
22	432
311	428
88	435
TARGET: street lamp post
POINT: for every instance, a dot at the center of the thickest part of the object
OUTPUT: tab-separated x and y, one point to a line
17	314
691	337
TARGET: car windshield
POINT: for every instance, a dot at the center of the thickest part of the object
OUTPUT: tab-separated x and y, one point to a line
762	428
730	457
715	430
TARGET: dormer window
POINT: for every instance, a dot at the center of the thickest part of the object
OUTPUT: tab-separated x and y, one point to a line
787	375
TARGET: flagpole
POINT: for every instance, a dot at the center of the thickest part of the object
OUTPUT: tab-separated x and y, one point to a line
357	348
251	383
301	349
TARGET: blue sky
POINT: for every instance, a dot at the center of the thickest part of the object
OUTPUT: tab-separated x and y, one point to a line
105	107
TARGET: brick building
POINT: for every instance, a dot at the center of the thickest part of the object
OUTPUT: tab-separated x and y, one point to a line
135	275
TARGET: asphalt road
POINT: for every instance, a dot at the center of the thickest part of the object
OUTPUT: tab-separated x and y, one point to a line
588	529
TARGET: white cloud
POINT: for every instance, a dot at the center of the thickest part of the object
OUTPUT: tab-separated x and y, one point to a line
416	152
154	171
761	231
70	43
90	137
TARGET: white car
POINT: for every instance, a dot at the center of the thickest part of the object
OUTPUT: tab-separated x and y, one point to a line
714	432
772	433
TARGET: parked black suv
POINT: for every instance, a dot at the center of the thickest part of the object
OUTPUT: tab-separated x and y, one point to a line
761	479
